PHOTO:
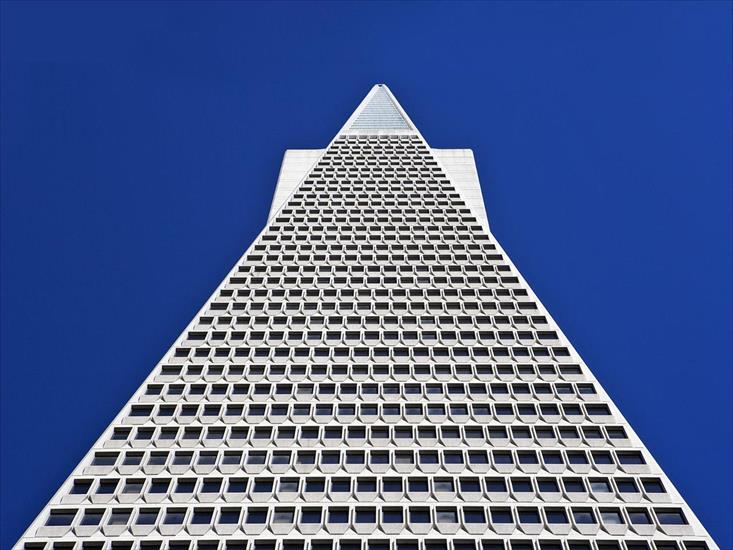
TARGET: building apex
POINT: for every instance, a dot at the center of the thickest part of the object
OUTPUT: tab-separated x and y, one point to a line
379	113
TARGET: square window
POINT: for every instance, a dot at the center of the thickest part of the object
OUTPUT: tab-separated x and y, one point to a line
283	515
501	515
612	517
174	516
147	516
446	515
229	516
392	515
311	515
639	517
556	516
673	516
92	517
80	487
496	485
584	517
338	515
653	486
529	516
474	515
366	515
119	517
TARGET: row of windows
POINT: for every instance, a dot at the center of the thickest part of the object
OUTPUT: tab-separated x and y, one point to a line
390	221
380	163
332	175
386	281
413	182
419	519
305	233
357	155
475	391
388	489
489	319
446	322
403	461
324	182
371	205
219	382
366	294
341	543
333	193
425	219
365	208
383	436
396	295
434	293
545	543
419	309
346	257
448	250
390	412
302	231
373	337
376	313
456	239
431	228
485	250
434	220
448	207
362	353
376	175
378	372
334	170
325	256
370	337
391	336
333	182
376	203
391	258
448	432
446	336
353	152
368	157
384	175
423	190
379	258
326	208
347	178
395	141
380	263
374	164
328	175
319	251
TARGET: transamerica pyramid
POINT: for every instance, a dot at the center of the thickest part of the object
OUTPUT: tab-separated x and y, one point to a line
373	374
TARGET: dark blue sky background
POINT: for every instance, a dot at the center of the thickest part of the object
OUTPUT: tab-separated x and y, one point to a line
141	144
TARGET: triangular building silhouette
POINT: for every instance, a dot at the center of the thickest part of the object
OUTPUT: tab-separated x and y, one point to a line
373	374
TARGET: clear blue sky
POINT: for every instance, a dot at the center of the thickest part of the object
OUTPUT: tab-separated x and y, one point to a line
141	143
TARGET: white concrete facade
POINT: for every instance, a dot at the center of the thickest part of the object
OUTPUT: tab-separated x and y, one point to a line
373	374
458	163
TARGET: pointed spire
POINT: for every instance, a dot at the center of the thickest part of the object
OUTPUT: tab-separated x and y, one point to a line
380	113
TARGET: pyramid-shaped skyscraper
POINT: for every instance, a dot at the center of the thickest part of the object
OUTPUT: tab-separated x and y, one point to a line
373	374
